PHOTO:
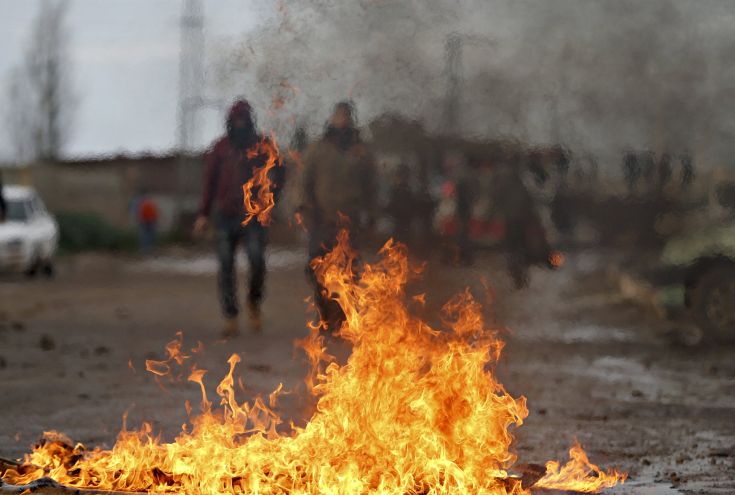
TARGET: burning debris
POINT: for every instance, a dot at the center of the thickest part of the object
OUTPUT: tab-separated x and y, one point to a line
415	410
258	194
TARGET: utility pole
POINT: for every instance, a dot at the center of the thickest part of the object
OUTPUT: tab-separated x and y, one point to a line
554	117
454	71
191	74
190	101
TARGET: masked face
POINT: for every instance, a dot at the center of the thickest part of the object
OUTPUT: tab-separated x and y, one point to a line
341	118
241	132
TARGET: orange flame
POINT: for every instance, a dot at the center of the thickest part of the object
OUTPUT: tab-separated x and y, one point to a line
557	259
173	350
415	409
579	474
258	196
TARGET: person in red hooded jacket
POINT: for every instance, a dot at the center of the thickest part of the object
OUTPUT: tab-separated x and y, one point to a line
227	168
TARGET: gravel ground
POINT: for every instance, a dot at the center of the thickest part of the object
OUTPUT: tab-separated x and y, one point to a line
594	367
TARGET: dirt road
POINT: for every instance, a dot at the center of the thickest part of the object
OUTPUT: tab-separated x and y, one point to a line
593	367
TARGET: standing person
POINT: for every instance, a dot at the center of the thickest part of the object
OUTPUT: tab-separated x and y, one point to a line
401	207
337	181
147	218
561	161
631	171
525	239
536	167
227	168
648	170
687	170
465	197
664	171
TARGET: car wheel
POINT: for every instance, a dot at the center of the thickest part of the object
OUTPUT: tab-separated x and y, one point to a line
48	269
32	269
713	302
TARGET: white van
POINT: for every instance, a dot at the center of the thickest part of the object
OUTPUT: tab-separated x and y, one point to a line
29	235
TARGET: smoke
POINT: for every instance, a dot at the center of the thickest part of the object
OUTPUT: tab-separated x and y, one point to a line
600	76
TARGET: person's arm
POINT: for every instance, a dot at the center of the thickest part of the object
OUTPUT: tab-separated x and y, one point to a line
211	169
369	189
277	176
307	186
304	188
211	172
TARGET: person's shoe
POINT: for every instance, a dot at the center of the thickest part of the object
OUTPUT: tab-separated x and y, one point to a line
230	330
256	324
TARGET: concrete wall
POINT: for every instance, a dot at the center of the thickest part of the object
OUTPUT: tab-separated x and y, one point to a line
106	187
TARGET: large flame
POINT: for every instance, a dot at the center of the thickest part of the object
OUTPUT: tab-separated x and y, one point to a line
415	410
258	195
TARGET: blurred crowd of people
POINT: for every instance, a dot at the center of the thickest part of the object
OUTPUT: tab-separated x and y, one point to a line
335	182
646	172
469	201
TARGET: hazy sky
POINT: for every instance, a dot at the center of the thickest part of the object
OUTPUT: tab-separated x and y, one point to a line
597	75
125	67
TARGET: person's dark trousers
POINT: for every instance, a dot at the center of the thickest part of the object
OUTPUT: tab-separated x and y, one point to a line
464	243
516	250
322	239
229	234
147	236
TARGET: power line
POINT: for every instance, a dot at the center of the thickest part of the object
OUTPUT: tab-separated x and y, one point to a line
191	75
454	71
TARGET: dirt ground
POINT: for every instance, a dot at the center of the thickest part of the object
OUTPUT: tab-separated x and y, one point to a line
594	367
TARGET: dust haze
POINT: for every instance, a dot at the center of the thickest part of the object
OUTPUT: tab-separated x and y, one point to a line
596	76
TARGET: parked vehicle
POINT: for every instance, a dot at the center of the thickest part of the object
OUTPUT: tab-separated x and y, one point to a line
693	278
704	263
29	235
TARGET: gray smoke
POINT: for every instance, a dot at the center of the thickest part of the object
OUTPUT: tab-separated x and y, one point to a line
595	75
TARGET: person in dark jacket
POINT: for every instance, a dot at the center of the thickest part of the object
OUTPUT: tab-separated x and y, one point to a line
465	185
632	171
230	163
146	216
664	171
338	182
402	205
687	170
525	239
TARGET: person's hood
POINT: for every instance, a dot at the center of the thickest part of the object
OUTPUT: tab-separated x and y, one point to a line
344	138
241	137
240	109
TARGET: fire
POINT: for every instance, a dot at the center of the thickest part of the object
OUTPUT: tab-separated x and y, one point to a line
579	474
173	350
414	410
557	259
258	195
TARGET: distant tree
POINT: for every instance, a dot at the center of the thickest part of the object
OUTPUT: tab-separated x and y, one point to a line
40	93
19	117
